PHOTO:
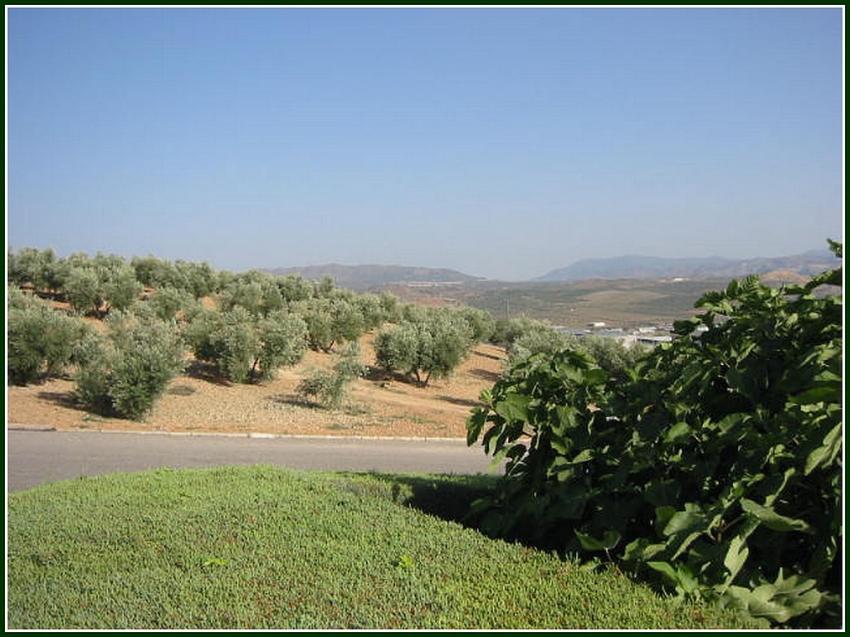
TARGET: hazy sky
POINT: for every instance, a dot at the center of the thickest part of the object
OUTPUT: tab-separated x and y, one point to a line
501	142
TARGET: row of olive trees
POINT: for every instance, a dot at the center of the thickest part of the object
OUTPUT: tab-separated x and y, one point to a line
124	371
95	285
121	371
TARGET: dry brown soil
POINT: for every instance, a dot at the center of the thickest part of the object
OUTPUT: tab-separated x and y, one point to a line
199	402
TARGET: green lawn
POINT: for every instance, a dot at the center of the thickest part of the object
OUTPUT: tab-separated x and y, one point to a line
263	547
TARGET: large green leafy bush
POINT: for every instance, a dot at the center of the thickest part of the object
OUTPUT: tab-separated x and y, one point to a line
715	467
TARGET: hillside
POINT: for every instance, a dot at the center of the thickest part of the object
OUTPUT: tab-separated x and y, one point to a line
362	277
642	267
200	401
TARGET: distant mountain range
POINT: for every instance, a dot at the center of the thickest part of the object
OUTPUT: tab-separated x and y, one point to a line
362	277
794	268
640	267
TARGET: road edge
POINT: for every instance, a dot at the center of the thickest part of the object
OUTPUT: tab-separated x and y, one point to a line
223	434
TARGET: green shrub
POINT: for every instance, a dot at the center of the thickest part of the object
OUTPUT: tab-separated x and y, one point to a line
370	309
480	322
41	340
330	321
120	287
390	307
540	340
84	290
430	348
126	372
507	331
397	347
236	345
294	288
168	302
101	284
22	300
282	342
611	355
254	291
715	467
38	268
329	387
244	347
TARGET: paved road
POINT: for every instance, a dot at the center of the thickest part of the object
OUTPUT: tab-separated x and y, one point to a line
45	456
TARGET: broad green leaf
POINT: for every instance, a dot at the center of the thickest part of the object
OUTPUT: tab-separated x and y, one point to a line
663	515
567	416
595	376
687	520
772	520
589	543
829	393
735	558
514	407
679	575
826	454
677	431
474	424
585	456
641	550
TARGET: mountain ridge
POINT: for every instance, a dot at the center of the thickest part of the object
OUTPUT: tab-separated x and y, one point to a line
364	276
646	267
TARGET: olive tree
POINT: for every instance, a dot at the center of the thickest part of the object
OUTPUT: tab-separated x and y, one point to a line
330	321
168	302
121	289
244	347
294	288
255	292
329	387
430	348
84	290
125	372
38	268
282	343
41	340
480	322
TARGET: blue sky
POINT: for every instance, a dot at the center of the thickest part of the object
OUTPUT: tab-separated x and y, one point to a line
500	142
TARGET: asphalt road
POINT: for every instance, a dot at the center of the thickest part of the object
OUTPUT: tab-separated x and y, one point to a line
45	456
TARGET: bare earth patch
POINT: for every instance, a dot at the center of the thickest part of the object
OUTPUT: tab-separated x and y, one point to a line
199	402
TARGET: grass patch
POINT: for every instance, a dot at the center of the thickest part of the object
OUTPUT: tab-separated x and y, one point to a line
263	547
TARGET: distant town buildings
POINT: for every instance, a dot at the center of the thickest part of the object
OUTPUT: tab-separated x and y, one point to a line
648	335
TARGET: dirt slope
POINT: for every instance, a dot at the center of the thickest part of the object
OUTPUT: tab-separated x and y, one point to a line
196	402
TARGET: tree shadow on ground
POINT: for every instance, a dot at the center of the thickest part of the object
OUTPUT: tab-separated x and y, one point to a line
379	375
295	400
69	401
464	402
490	356
205	371
181	390
63	399
485	374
